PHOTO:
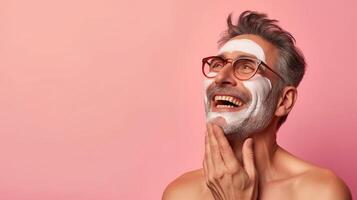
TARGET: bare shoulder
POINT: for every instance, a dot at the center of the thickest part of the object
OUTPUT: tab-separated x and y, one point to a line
304	180
187	186
320	183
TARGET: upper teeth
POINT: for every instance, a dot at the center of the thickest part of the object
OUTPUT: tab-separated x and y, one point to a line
229	98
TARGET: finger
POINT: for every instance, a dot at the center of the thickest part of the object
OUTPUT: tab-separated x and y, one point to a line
220	121
229	158
214	192
204	165
208	166
205	170
208	159
248	158
215	150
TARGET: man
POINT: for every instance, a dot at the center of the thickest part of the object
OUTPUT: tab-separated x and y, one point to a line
250	88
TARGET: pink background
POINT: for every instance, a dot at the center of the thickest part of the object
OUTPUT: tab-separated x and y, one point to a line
103	99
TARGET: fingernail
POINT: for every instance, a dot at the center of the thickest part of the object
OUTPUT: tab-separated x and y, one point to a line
250	142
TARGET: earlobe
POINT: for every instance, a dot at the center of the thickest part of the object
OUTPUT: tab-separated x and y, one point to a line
286	101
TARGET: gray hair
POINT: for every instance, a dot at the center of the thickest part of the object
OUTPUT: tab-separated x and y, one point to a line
291	62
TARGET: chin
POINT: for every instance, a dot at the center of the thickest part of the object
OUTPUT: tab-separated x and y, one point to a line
247	128
236	132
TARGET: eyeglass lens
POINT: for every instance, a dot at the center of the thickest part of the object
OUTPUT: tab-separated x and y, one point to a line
244	68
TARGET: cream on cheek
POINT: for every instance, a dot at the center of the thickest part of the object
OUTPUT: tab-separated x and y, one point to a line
206	83
258	86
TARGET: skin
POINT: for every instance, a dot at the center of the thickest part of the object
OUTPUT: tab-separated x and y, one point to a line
256	168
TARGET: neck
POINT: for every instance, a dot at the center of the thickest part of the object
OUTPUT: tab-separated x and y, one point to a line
265	148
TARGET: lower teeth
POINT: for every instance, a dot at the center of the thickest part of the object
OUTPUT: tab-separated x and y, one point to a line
225	106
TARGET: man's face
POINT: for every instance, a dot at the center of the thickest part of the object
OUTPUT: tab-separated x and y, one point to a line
246	106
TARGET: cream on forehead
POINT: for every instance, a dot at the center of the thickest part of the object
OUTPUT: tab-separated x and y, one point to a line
243	45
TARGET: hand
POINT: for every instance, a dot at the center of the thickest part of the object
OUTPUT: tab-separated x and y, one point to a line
225	176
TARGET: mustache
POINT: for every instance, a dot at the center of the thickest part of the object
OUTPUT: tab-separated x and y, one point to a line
213	90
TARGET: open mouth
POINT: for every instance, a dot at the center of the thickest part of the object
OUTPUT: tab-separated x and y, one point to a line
226	103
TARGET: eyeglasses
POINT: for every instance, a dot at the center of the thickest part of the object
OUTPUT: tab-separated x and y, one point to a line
244	68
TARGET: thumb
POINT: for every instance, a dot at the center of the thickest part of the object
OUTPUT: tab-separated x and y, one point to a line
248	158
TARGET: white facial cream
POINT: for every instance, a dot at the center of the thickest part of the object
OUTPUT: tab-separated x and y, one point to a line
258	86
243	45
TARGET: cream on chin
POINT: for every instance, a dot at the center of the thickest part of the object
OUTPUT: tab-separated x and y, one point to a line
258	86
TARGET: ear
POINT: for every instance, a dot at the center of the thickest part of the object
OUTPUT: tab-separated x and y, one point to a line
286	101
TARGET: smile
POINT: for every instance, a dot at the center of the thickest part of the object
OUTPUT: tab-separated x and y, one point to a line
226	103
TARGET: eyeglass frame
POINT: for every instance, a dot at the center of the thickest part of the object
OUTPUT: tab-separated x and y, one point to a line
226	61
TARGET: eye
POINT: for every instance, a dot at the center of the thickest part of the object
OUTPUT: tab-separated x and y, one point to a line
216	64
248	68
245	66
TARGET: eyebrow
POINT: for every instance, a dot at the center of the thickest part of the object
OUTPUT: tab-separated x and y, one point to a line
243	55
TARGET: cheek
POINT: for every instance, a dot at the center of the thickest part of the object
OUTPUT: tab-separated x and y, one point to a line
206	84
258	85
259	88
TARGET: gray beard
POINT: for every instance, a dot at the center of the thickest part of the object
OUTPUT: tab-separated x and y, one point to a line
254	124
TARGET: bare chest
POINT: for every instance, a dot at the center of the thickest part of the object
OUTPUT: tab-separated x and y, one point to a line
281	191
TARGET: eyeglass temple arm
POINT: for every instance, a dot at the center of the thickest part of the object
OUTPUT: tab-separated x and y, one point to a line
265	65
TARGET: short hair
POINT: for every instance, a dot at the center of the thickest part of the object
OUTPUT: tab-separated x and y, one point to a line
290	63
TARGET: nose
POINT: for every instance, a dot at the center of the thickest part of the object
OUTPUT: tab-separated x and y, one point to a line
225	76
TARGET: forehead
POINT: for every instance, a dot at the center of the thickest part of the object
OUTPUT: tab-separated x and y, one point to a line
251	45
